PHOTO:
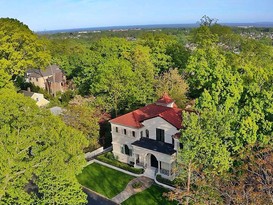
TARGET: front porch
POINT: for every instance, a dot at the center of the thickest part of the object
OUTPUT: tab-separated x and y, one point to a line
155	161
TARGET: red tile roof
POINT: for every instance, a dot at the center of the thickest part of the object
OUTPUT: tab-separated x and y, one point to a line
165	99
135	118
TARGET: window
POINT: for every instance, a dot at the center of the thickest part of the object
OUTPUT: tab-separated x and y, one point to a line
37	79
116	129
37	99
127	151
122	149
141	134
160	135
124	132
147	133
133	133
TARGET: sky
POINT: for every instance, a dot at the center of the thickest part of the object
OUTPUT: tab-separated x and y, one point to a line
42	15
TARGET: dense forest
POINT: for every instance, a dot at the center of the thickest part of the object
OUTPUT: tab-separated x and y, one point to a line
226	155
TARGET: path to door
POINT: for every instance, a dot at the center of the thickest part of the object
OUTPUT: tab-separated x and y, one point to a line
129	190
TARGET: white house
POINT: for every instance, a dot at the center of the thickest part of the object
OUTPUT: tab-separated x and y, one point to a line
38	97
147	137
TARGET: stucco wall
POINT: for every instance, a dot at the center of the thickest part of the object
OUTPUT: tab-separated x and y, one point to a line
160	123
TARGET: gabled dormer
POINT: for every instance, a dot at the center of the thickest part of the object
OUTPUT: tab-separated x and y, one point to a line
166	101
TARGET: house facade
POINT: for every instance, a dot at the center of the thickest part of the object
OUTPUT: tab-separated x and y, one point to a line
51	79
38	97
147	137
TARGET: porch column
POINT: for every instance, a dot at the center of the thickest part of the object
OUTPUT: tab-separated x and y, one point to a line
170	169
135	158
144	161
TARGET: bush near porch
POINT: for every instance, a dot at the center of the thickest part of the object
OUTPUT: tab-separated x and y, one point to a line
101	179
109	158
168	182
150	196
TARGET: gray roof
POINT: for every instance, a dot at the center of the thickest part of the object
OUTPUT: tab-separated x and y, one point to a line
27	93
37	73
56	110
155	145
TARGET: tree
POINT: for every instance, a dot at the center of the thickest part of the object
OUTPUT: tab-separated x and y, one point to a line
159	44
205	154
40	155
233	90
85	118
20	48
251	178
207	21
171	82
143	75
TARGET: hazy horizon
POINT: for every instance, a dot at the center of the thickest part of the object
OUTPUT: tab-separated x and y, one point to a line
68	14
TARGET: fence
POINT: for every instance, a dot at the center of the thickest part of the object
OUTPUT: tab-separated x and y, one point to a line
101	150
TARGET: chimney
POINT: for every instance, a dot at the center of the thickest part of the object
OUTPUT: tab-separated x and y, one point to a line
28	89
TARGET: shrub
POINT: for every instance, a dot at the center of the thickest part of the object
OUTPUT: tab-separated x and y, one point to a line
137	185
110	159
162	180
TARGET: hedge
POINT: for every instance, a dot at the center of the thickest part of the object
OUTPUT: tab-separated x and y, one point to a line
162	180
110	159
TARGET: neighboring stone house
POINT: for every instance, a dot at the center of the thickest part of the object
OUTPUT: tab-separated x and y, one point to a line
38	97
148	137
51	79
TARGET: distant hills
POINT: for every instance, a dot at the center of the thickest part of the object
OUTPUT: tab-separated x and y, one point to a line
156	26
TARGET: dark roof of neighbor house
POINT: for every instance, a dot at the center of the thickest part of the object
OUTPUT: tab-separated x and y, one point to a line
173	115
26	93
155	145
37	73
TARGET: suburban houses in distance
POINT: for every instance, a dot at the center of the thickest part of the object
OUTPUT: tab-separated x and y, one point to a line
52	79
148	137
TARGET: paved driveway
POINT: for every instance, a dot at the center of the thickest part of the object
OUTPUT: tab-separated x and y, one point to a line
96	199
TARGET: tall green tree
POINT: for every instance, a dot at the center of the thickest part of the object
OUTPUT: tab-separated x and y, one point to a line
20	48
172	82
205	155
40	155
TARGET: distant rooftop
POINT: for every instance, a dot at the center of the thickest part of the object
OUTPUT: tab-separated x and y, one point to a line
37	73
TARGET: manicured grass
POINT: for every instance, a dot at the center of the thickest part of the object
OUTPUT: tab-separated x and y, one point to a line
150	196
104	180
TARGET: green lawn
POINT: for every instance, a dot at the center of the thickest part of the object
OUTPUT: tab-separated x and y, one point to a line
104	180
150	196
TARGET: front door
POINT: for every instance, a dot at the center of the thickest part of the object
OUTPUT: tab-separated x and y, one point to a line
154	162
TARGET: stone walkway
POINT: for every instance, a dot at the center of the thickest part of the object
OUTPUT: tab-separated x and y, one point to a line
129	190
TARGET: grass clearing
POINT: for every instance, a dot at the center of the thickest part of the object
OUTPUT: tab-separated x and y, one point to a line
104	180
